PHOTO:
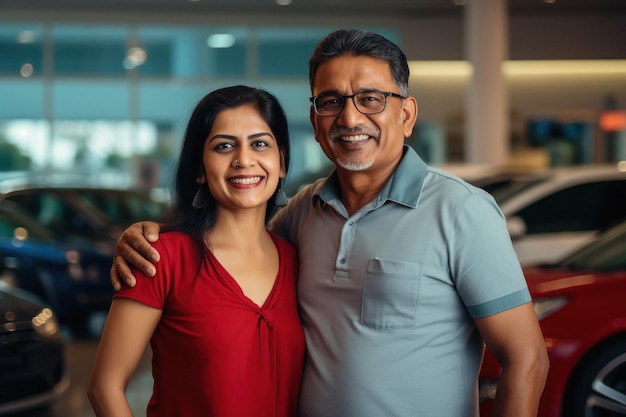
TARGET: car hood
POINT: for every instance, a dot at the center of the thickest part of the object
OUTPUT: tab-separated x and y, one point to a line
51	251
20	304
543	281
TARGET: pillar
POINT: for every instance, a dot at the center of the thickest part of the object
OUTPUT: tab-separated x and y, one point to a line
486	104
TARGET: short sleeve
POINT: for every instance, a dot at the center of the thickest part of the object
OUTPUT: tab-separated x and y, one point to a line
485	267
151	291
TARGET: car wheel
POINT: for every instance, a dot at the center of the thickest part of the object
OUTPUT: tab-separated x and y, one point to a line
598	387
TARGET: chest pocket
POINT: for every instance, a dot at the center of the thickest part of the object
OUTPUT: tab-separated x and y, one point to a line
390	293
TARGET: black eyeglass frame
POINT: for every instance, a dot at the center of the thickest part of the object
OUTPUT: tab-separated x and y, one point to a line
386	94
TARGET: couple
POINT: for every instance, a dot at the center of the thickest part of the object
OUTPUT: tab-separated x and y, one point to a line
404	270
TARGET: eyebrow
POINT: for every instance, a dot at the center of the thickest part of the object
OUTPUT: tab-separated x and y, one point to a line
359	91
235	138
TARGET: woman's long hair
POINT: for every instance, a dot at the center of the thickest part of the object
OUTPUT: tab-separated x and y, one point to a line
195	221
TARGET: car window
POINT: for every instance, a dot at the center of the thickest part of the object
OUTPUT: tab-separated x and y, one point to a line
583	207
7	228
10	222
123	207
607	253
50	210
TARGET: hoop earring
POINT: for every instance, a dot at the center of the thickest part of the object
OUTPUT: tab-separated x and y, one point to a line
199	200
281	197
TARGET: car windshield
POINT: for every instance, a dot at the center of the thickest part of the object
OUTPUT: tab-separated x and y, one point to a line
513	187
606	254
122	207
14	225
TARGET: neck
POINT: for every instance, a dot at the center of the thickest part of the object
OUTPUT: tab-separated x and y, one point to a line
237	229
359	188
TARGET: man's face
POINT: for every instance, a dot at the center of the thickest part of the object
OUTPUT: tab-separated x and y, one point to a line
362	142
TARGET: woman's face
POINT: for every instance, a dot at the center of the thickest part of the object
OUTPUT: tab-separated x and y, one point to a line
241	160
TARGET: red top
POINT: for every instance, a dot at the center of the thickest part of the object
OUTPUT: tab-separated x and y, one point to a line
215	352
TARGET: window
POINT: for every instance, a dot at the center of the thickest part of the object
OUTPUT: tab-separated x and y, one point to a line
583	207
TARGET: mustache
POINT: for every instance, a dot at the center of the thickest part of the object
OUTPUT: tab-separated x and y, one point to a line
336	133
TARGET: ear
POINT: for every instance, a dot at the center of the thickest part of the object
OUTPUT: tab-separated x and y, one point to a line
312	116
409	114
201	179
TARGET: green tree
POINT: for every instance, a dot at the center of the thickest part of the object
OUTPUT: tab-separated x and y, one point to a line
12	158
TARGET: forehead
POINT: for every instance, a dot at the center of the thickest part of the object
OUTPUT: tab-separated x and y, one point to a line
349	74
244	118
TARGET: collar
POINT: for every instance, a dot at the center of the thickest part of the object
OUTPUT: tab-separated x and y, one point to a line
403	187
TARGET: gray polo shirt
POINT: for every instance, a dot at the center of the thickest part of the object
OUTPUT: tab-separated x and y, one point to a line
387	295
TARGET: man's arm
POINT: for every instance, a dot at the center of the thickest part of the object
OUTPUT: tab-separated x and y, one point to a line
514	338
134	248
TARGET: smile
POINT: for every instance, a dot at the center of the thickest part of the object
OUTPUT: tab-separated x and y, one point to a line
355	138
245	181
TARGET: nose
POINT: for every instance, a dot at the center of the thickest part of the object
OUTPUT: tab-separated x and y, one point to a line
243	158
349	116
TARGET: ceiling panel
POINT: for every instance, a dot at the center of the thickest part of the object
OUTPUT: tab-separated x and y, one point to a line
356	8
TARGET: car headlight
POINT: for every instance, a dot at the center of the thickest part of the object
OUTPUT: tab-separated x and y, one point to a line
547	306
45	323
74	268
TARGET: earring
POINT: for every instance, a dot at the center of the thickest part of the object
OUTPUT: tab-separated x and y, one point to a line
281	197
199	200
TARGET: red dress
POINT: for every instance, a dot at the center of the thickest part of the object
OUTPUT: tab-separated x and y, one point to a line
215	352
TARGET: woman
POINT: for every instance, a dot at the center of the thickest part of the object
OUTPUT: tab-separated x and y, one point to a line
221	314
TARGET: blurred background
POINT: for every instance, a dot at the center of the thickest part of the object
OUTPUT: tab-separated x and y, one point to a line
101	90
95	95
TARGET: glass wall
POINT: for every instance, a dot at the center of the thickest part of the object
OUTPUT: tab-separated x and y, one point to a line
108	104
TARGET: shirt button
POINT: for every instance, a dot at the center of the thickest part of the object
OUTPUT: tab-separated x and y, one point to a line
342	261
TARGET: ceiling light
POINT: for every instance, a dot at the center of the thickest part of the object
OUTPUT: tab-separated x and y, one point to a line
27	70
135	57
563	67
440	68
283	2
27	36
527	67
220	40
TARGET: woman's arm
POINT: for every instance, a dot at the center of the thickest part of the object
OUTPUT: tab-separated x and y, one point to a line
126	334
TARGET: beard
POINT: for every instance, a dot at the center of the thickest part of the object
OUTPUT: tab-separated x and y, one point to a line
354	164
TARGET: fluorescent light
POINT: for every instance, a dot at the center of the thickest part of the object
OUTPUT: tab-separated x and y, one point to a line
220	40
561	67
546	67
27	36
440	68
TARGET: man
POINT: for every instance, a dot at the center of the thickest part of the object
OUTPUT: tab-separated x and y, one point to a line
404	269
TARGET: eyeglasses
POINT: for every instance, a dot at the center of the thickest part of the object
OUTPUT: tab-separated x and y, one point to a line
367	102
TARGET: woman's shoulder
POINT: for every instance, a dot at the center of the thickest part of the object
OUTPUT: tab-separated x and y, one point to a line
175	241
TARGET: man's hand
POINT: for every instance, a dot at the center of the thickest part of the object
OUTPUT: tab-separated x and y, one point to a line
134	248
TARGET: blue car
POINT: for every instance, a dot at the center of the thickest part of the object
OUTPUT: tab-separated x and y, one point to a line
72	278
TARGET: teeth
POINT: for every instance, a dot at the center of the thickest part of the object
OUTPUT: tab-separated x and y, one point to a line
356	138
252	180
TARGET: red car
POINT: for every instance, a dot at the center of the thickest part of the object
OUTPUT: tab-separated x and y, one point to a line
581	306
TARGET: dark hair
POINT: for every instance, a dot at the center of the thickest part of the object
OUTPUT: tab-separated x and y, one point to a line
183	216
359	42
